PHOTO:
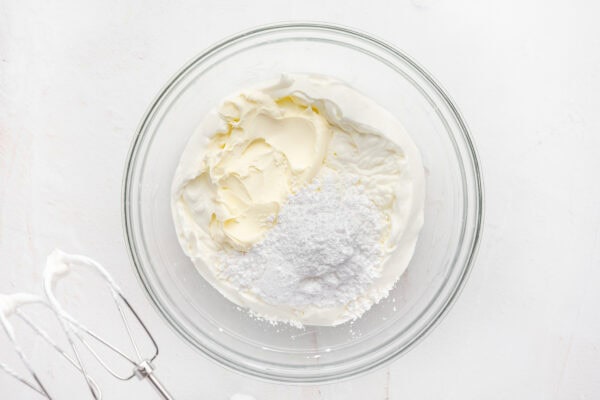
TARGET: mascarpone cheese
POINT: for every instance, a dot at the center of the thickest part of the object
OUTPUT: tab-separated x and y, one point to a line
264	144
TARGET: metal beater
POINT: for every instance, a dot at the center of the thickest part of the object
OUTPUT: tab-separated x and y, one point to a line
12	306
59	265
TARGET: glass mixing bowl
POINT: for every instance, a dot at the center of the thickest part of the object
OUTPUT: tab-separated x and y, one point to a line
445	250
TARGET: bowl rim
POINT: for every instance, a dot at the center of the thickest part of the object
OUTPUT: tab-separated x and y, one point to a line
478	205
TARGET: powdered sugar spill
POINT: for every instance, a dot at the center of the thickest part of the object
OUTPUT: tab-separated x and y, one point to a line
324	251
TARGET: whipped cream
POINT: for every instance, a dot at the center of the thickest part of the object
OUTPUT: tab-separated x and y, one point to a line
265	144
9	303
60	264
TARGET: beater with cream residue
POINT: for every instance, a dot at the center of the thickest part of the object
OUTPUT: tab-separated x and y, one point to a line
11	306
59	265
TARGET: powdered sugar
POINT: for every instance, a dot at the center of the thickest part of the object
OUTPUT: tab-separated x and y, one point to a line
324	251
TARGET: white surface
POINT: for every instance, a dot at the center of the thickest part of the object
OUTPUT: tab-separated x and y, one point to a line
76	77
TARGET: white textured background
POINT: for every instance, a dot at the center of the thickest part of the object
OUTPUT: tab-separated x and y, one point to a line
76	77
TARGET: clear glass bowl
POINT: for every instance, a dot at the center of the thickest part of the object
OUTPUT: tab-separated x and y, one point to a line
447	244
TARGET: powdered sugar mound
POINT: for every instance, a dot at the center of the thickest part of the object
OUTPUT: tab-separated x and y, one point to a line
324	251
